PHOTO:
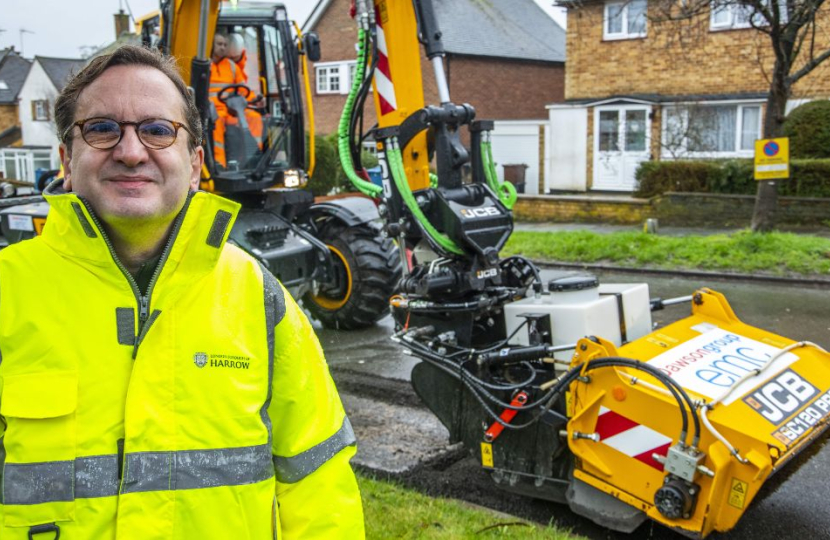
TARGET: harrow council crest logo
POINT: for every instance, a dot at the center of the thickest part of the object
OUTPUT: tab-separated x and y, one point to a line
200	359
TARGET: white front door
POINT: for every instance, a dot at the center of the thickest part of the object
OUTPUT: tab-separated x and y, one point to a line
621	142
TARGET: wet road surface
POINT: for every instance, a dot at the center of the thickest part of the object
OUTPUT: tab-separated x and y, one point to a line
401	439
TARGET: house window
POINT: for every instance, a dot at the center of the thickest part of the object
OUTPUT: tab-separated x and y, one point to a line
335	77
624	20
711	130
40	109
3	85
730	16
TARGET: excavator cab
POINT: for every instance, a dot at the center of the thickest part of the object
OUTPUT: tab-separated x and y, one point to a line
254	136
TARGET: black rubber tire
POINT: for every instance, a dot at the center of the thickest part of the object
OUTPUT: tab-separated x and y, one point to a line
375	267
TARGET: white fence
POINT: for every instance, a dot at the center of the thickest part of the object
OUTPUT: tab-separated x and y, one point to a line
516	142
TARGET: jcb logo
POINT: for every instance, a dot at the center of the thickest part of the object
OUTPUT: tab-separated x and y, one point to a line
480	212
781	397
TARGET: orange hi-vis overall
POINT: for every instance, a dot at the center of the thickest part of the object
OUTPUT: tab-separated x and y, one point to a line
224	73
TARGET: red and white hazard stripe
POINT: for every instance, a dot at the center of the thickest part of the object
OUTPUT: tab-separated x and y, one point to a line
383	75
630	438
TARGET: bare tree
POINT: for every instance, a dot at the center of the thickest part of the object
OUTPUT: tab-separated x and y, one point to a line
796	37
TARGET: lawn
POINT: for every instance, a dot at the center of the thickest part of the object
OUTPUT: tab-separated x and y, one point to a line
392	511
773	253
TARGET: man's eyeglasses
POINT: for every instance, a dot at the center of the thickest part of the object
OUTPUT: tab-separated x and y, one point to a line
106	133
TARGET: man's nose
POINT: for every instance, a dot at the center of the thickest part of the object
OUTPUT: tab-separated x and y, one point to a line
129	150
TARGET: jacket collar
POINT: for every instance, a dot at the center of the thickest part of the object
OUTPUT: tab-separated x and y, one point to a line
74	230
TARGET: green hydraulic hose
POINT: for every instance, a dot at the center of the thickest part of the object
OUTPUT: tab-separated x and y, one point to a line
343	135
399	177
505	191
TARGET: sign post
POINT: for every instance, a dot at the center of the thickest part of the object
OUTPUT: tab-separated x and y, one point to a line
772	159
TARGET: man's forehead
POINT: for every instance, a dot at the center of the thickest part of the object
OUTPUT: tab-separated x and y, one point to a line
130	90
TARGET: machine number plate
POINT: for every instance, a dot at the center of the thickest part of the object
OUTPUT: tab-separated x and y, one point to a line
737	495
486	455
792	403
21	223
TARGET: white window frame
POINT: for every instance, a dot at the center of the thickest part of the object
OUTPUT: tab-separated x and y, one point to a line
624	34
733	23
681	150
344	70
40	110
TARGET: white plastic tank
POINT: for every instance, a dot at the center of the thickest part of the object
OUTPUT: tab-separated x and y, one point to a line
578	306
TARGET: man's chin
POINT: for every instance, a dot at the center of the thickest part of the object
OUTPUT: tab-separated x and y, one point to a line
133	215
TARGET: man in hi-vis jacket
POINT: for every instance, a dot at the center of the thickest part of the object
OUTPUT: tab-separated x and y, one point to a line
155	382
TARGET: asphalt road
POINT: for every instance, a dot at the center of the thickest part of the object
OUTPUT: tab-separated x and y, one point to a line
400	439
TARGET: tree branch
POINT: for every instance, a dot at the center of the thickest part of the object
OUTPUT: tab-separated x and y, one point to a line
809	66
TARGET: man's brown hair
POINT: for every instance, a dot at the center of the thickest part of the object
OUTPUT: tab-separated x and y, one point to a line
126	55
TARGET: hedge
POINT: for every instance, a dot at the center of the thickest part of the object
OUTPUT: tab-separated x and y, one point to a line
808	177
328	174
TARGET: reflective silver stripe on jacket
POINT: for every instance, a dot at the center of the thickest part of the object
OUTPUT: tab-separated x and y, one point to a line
53	481
293	469
196	469
97	476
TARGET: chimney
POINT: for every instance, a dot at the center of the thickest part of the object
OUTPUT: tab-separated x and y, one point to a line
122	23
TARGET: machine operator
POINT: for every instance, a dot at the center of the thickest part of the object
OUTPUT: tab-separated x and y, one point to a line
224	71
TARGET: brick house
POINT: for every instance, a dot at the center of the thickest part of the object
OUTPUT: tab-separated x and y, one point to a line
638	89
13	70
506	58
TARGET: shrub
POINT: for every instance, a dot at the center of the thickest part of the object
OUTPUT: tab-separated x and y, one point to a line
326	168
808	177
808	127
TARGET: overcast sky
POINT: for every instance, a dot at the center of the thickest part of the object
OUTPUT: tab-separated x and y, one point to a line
63	28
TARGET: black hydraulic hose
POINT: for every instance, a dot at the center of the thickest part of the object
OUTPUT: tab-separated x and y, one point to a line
484	405
363	92
501	343
424	350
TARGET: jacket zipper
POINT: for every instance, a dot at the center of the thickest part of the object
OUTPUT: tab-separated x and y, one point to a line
143	301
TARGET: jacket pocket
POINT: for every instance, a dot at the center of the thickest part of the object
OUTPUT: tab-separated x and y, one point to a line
40	447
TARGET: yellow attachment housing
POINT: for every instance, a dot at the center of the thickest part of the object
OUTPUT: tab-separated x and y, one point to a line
768	420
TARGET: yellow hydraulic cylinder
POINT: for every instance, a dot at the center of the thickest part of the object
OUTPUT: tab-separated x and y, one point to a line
398	87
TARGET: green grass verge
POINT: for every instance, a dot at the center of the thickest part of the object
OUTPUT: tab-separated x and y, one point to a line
745	252
392	511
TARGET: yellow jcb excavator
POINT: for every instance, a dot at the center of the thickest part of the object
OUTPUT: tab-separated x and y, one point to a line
563	391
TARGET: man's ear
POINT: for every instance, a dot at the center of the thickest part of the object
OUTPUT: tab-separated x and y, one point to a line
197	158
66	162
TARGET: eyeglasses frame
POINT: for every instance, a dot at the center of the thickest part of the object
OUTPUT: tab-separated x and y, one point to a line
121	124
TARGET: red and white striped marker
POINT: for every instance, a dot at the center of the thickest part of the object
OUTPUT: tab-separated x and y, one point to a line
383	75
630	438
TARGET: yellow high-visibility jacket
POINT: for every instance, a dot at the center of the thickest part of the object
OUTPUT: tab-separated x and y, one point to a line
203	410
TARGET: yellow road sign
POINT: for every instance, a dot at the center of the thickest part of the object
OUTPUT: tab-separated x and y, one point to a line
772	159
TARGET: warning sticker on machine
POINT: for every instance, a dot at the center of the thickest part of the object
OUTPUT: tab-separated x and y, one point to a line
712	362
486	455
737	495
